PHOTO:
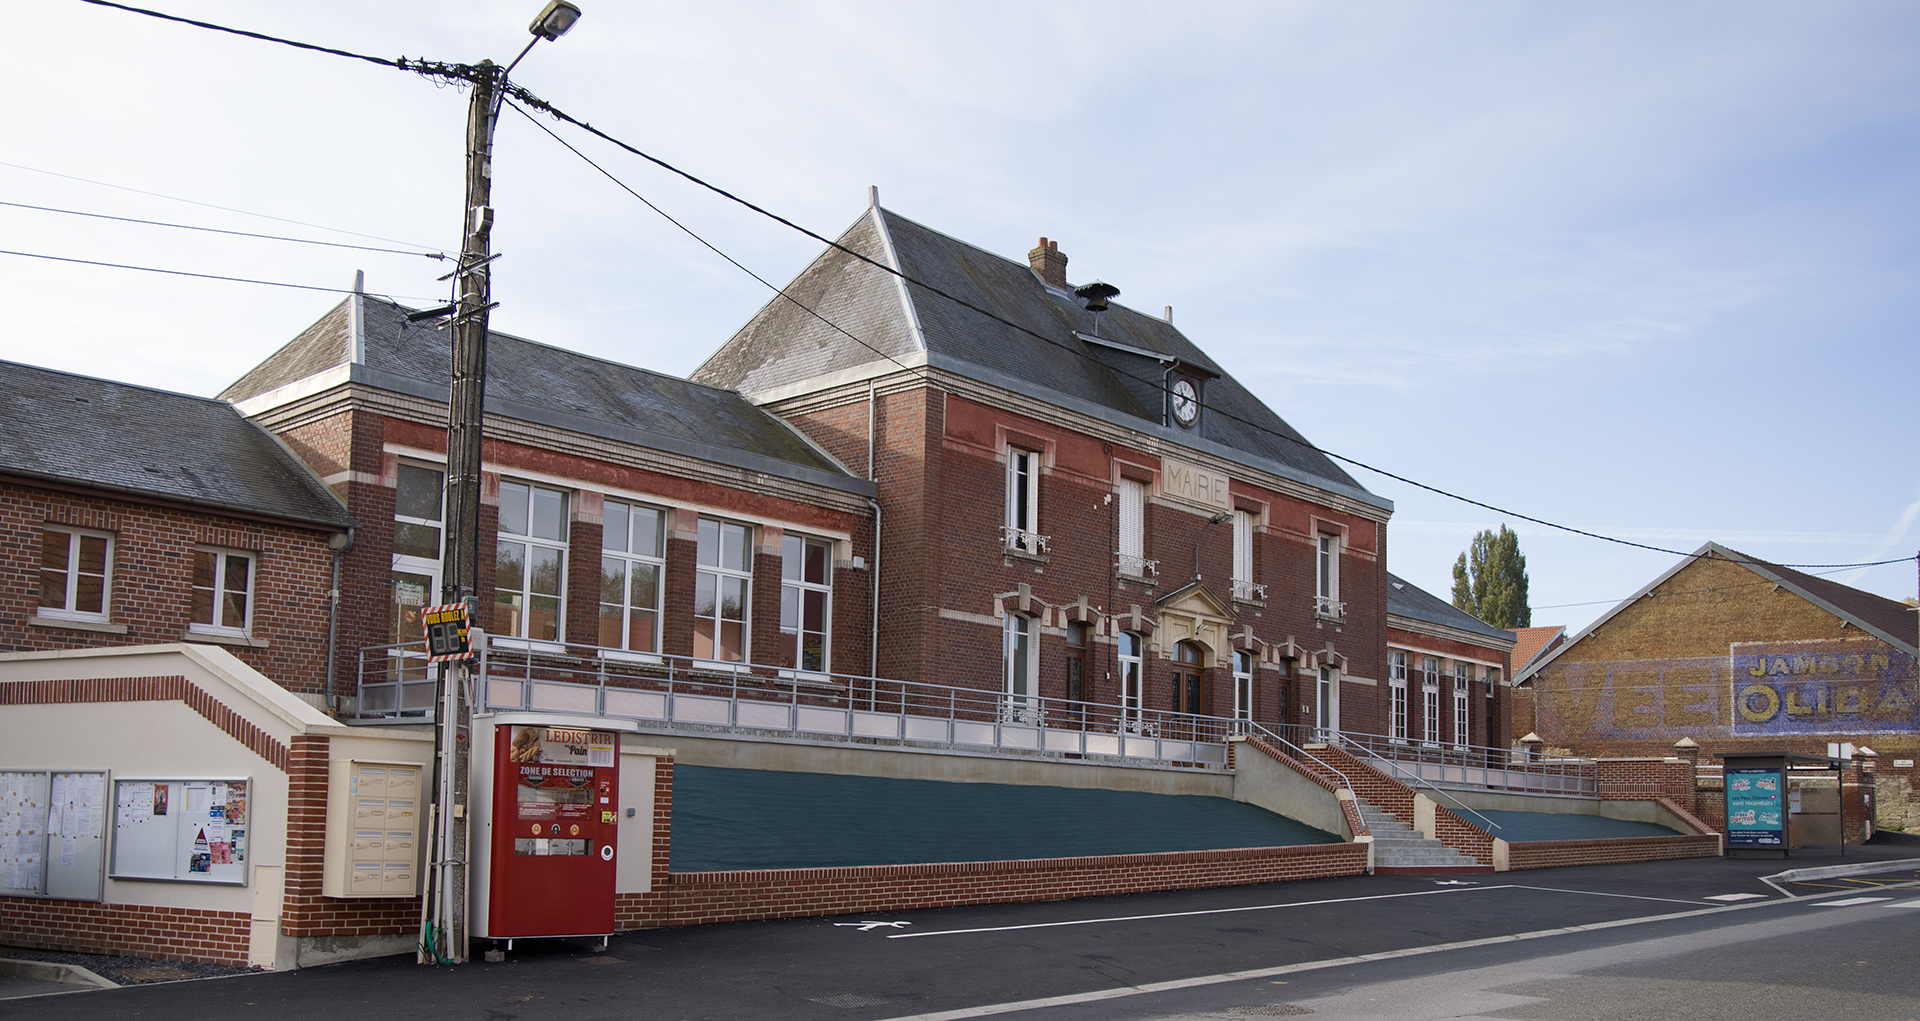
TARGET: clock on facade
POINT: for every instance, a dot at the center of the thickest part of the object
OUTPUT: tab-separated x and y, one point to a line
1186	402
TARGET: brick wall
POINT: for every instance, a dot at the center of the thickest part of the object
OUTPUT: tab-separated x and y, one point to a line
1544	854
304	912
150	594
1390	795
1647	779
139	930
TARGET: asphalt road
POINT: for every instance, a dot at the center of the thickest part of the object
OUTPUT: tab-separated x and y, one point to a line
1615	942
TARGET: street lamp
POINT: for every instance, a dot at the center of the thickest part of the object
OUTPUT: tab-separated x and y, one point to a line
466	408
1220	518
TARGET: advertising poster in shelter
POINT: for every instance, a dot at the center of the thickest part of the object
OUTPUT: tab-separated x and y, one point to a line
1754	803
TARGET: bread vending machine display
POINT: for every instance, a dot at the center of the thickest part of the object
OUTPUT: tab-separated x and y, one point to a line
554	815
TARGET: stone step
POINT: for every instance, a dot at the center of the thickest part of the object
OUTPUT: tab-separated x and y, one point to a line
1398	845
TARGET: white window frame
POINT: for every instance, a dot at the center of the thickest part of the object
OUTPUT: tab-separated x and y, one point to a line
1020	655
1397	694
527	539
222	564
1131	558
1326	577
1326	703
720	575
1022	530
629	558
1129	649
1242	685
794	587
1492	679
1244	587
1462	723
66	610
1430	700
404	563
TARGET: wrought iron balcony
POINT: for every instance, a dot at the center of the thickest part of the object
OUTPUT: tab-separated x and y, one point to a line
1329	608
1019	540
1247	591
1136	567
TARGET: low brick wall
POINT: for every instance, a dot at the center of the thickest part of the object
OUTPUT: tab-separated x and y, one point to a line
163	933
699	898
1546	854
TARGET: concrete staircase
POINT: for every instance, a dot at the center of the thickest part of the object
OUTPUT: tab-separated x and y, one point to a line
1397	848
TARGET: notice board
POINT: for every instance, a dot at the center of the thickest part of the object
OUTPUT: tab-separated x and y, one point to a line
53	834
190	831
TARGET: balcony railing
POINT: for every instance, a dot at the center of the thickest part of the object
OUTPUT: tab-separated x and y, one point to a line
1474	766
1247	591
1329	608
677	693
1019	540
1136	567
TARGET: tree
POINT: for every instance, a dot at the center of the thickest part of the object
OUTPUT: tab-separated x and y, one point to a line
1490	580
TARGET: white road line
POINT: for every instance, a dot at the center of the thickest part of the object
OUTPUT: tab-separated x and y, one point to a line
1730	897
1597	893
1846	903
1189	914
1914	903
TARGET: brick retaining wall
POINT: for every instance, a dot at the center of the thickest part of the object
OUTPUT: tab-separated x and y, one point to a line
141	930
1544	854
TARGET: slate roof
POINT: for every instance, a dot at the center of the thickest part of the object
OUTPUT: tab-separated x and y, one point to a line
1889	620
536	382
783	345
1405	599
61	427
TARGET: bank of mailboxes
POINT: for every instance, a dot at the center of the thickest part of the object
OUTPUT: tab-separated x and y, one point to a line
374	813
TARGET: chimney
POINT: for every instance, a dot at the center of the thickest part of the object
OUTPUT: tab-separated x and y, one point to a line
1049	263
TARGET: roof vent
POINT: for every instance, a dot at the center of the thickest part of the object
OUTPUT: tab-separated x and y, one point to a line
1047	261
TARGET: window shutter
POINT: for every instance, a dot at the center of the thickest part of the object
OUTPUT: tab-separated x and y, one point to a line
1242	546
1133	519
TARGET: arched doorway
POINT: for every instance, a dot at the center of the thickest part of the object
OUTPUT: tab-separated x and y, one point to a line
1189	684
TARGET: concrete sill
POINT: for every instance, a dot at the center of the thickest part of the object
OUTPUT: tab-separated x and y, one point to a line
235	640
100	626
1035	558
1134	579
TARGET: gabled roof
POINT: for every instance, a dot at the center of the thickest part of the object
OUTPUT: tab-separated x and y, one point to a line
1886	619
1047	353
1405	599
79	430
1532	641
369	340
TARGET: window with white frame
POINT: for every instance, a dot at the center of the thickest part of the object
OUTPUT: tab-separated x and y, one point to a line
1243	583
1326	576
806	600
1132	555
633	566
722	590
1022	530
1462	680
1430	699
76	567
1132	665
417	535
1397	693
530	573
1021	653
222	593
1326	703
1493	679
1242	684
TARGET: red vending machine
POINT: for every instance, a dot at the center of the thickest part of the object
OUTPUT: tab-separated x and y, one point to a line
547	868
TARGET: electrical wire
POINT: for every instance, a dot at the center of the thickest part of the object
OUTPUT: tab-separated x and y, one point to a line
200	276
209	205
216	230
449	71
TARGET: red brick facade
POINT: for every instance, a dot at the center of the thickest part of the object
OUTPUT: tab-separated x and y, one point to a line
138	930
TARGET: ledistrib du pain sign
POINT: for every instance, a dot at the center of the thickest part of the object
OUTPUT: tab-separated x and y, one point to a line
446	629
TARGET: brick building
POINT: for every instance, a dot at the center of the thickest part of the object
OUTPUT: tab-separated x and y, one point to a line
131	516
625	514
1445	671
1079	504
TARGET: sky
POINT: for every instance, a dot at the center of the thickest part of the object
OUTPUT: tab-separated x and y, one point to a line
1635	268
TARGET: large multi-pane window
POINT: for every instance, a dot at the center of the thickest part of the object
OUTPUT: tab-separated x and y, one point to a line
722	586
632	569
806	598
1131	665
417	535
222	592
1462	680
1397	693
1430	699
1023	502
530	574
75	567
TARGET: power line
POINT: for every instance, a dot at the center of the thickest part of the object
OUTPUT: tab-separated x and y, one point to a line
462	72
209	205
200	276
216	230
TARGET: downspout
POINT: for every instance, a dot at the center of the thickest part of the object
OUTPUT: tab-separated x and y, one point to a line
340	543
873	641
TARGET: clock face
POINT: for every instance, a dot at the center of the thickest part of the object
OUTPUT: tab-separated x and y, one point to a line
1186	403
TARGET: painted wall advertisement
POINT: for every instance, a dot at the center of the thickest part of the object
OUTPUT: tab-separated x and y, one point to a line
1754	808
1760	689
